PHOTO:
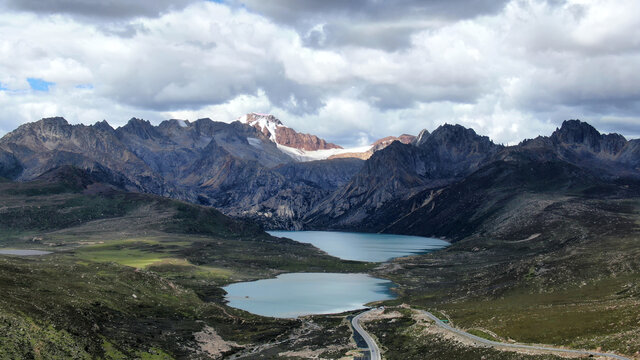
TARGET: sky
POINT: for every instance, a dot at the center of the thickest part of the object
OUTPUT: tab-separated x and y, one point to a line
348	71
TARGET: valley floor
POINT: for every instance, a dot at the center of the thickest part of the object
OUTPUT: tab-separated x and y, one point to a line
140	276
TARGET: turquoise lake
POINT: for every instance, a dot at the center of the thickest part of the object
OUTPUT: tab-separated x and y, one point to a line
364	246
295	294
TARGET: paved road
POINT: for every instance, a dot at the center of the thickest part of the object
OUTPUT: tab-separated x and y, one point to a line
374	351
514	346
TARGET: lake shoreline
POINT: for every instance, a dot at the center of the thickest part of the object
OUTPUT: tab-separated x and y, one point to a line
301	293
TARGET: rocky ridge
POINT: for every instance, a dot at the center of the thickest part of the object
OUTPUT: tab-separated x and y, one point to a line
233	167
445	182
240	169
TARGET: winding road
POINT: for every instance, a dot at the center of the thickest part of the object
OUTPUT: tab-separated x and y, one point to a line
374	351
480	340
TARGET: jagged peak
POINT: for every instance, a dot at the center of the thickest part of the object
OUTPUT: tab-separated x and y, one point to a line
576	131
102	125
138	121
454	129
139	127
455	133
458	139
575	126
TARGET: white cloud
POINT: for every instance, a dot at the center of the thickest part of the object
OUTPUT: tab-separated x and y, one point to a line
510	74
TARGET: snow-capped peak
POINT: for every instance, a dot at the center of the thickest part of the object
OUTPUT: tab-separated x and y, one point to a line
264	122
299	146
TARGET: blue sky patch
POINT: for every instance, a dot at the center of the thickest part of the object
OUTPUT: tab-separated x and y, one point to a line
39	84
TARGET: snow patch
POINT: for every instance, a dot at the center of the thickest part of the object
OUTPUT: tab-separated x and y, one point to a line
304	155
264	123
183	123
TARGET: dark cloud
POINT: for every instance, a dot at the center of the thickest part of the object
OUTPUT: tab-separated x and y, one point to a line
107	9
372	23
301	11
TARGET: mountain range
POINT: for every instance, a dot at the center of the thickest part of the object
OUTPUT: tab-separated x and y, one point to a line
258	169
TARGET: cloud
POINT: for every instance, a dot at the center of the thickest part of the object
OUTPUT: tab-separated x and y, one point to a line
385	25
355	72
301	11
106	9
